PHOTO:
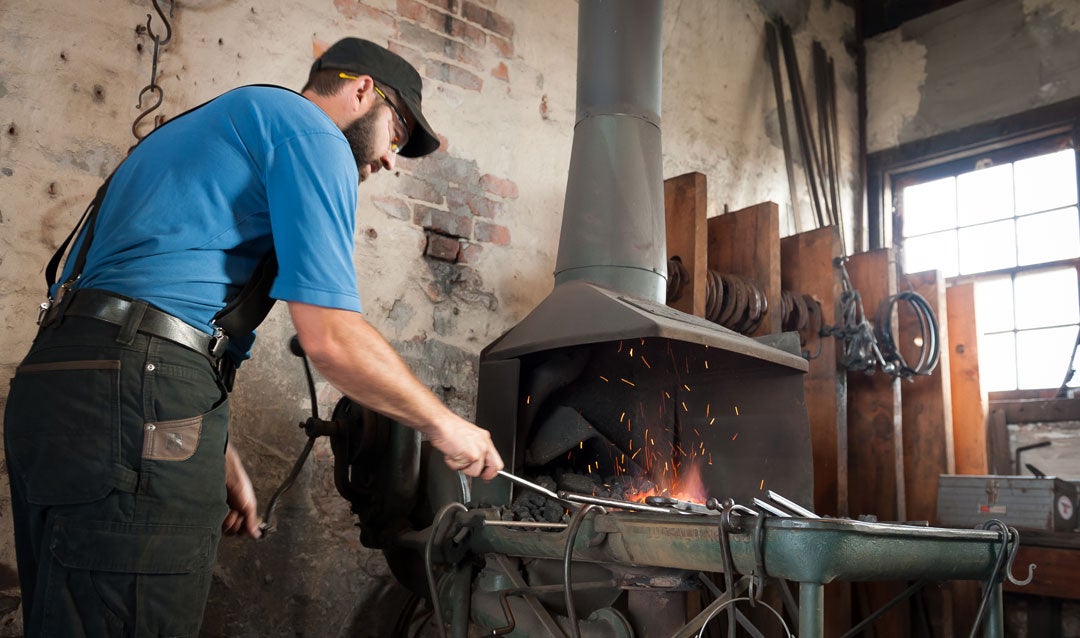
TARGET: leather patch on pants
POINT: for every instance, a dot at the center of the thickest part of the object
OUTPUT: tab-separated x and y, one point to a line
172	440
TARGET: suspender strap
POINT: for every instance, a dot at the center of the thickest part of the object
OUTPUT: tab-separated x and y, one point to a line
242	313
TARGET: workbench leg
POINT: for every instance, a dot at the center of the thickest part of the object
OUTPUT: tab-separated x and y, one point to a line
995	614
811	610
461	589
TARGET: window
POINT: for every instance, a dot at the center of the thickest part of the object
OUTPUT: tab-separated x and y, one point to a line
1008	221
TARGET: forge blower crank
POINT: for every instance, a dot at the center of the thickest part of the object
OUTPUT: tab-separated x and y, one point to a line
376	466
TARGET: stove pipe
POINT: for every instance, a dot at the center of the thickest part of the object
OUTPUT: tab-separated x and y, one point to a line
613	231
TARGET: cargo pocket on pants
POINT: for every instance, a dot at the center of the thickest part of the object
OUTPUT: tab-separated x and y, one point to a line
183	466
62	430
145	580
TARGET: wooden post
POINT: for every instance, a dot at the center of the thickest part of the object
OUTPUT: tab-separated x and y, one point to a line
685	201
968	398
746	242
806	267
876	442
927	403
875	427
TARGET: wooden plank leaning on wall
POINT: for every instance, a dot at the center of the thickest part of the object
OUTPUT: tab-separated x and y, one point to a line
876	444
968	398
685	208
746	242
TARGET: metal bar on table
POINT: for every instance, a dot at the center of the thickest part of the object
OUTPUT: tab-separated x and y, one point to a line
776	511
791	505
611	502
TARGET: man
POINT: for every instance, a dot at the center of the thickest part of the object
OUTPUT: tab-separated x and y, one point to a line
115	430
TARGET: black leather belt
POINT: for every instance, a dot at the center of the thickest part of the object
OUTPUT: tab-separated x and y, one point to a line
113	309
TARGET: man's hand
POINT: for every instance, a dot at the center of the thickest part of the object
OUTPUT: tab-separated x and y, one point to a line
467	449
243	517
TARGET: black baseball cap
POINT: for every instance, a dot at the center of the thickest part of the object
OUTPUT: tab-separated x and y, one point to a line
363	57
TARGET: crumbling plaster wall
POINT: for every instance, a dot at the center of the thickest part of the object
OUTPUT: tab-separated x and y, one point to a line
451	250
972	62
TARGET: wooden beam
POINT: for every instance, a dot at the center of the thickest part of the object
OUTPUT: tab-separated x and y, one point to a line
685	210
926	403
1039	410
746	242
875	427
806	267
968	398
876	442
997	442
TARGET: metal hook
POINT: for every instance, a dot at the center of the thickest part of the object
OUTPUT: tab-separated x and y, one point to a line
1015	537
159	94
168	27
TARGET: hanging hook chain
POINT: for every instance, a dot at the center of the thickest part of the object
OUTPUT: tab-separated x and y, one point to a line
153	87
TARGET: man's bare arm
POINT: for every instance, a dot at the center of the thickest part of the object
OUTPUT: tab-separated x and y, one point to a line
358	361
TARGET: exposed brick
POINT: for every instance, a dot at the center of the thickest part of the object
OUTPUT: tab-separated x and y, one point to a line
421	189
488	19
503	46
442	248
499	186
392	206
355	9
443	221
452	75
470	253
441	22
501	72
475	204
443	166
451	6
492	233
432	42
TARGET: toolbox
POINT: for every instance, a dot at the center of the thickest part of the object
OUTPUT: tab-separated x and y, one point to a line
1028	502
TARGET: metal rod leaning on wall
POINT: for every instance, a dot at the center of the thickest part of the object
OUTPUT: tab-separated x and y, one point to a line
772	47
811	158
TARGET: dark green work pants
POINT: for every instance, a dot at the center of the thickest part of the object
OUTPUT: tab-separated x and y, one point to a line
115	446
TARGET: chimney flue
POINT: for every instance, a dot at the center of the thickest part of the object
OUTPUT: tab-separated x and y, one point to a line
613	231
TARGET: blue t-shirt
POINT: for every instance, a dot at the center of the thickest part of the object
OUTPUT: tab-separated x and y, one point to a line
196	205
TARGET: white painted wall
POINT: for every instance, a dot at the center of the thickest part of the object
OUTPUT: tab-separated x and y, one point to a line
971	62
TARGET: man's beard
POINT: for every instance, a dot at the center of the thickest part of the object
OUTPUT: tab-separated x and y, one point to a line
360	136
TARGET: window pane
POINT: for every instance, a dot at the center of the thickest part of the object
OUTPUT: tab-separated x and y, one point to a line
984	196
997	362
994	304
988	247
1045	182
1044	356
929	207
1046	298
1047	237
931	252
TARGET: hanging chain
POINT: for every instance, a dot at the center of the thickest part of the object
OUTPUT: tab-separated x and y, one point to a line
154	89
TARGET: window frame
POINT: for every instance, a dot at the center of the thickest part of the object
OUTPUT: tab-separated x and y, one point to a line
1037	132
